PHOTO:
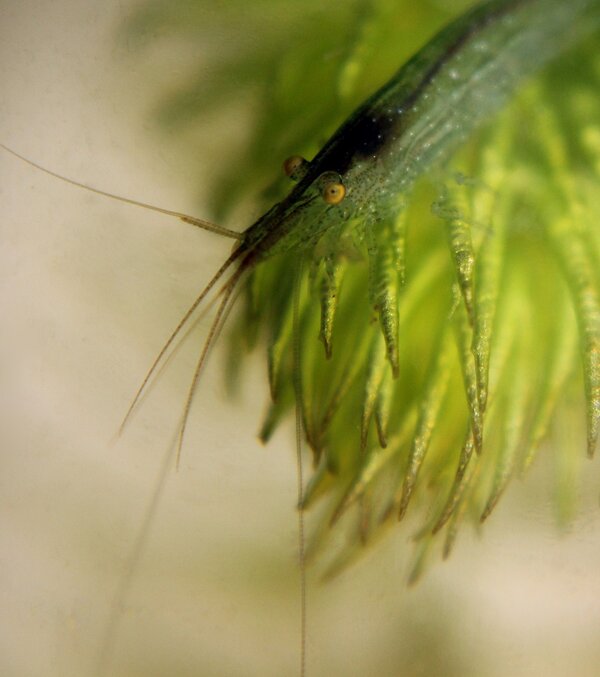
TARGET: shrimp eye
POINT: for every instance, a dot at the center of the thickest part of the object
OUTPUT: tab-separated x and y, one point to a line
295	167
333	192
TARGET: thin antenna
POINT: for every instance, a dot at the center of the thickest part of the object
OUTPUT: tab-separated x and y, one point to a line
105	655
200	223
299	467
107	647
216	277
213	333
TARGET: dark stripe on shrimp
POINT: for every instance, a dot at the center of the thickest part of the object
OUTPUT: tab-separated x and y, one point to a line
369	129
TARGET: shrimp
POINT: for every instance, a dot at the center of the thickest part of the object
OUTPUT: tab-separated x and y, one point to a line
295	276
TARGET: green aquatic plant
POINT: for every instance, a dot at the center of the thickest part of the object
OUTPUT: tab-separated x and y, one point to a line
431	357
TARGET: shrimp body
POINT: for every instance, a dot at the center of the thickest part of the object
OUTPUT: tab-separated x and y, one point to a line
423	114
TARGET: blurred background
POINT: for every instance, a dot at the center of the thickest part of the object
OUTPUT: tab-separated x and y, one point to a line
90	290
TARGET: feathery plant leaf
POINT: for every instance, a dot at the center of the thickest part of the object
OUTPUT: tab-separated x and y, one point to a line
436	347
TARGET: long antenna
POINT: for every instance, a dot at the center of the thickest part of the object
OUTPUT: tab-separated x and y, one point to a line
123	589
213	333
299	467
216	277
200	223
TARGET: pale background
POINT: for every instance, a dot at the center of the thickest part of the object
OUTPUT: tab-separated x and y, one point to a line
90	289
